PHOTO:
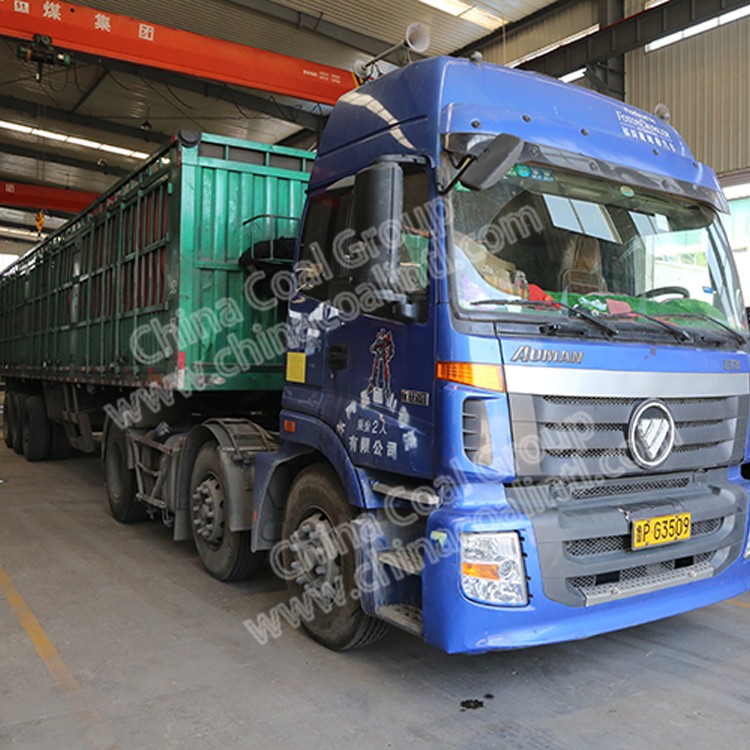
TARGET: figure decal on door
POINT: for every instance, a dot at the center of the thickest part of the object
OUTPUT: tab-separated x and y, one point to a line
382	350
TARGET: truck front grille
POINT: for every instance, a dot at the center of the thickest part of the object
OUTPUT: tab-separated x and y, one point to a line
582	491
584	437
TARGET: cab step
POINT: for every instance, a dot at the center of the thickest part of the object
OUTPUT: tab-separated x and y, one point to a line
409	560
404	616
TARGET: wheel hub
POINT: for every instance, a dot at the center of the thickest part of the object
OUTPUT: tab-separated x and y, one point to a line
317	559
208	511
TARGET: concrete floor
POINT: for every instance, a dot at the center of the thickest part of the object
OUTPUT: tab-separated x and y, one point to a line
145	650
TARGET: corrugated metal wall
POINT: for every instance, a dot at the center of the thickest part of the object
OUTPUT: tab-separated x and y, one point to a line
557	26
705	82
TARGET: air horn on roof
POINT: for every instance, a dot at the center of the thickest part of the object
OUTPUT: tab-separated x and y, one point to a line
416	39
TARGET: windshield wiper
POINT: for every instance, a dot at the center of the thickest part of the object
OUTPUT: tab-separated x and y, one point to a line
740	338
606	327
679	333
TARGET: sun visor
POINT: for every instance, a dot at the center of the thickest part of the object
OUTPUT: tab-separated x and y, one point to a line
468	130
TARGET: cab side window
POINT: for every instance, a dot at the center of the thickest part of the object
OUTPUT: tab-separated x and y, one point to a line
318	271
330	267
416	233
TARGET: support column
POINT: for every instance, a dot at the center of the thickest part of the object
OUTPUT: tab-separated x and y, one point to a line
608	77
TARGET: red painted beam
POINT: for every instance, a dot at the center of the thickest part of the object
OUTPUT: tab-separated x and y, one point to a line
94	32
36	197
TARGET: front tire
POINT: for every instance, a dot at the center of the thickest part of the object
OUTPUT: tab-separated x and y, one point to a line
227	555
121	481
317	511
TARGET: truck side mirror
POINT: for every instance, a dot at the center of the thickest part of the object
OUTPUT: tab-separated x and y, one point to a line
378	228
493	163
378	205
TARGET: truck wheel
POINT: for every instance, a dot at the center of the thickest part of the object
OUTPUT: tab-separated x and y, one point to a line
8	419
16	415
37	433
121	481
226	555
326	562
59	447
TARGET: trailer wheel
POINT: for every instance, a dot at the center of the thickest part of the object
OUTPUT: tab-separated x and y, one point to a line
16	415
226	555
60	448
37	432
121	481
8	419
318	546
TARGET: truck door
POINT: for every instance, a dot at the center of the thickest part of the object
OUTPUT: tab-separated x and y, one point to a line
376	358
310	311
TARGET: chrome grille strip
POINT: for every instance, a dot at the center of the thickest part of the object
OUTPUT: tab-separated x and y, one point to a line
567	381
587	437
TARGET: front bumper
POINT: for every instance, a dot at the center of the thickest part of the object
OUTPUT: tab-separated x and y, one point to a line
559	608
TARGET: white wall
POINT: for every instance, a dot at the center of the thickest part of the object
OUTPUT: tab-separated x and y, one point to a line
6	260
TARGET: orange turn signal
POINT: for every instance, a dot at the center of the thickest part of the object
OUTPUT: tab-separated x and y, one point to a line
488	571
489	377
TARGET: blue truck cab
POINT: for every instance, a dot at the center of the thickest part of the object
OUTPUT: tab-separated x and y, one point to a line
516	401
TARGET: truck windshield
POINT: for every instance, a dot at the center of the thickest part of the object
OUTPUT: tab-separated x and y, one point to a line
611	251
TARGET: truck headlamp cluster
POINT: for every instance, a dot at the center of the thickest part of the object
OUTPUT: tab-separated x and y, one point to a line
747	548
492	569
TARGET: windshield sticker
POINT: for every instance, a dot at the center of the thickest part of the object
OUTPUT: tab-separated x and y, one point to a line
535	173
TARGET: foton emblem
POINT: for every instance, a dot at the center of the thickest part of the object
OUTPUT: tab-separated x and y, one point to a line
651	434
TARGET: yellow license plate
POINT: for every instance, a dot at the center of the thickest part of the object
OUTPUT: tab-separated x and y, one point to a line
650	532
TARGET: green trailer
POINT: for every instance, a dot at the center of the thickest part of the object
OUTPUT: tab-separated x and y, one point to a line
145	285
140	301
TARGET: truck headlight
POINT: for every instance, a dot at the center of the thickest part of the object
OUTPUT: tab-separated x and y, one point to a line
492	569
747	548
